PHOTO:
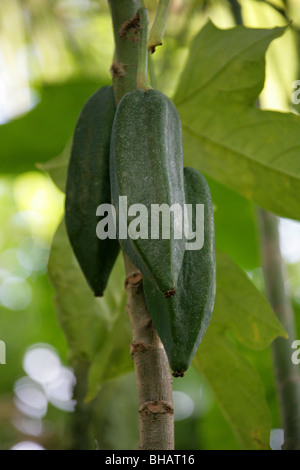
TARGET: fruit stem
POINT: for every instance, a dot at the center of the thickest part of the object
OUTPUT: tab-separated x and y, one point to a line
126	35
142	73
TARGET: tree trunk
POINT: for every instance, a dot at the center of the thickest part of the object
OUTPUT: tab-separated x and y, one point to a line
154	381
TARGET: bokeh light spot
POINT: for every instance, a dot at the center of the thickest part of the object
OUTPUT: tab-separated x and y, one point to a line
183	405
30	398
41	363
15	293
27	445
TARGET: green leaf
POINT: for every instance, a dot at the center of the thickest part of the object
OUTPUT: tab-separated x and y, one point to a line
113	357
240	307
254	152
97	329
238	390
57	167
235	225
42	133
243	313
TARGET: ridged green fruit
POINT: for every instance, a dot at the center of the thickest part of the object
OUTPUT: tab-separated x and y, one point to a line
88	186
147	167
181	321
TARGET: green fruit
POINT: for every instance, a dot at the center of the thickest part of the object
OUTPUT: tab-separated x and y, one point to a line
181	321
88	186
147	167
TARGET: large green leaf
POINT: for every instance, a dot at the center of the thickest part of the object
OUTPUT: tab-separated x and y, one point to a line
243	313
42	133
252	151
97	329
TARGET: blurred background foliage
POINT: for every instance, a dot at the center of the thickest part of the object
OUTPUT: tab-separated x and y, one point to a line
53	55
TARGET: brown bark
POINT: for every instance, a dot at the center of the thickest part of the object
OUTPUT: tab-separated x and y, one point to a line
154	380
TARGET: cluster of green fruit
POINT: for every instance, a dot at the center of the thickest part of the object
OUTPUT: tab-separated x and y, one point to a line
136	151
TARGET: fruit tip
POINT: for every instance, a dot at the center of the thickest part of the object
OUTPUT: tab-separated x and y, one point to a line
178	373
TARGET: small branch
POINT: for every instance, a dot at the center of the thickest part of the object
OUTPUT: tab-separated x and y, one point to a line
154	380
287	373
80	420
236	11
158	28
